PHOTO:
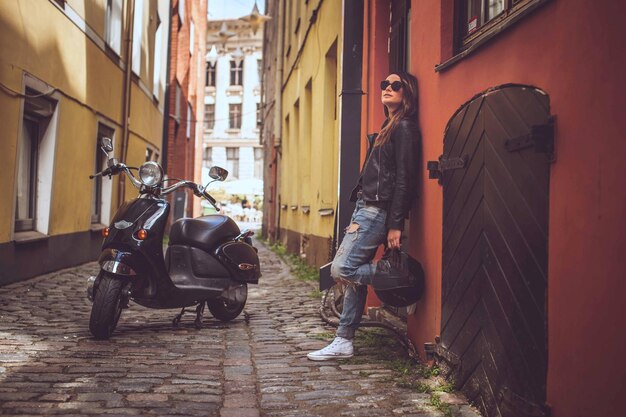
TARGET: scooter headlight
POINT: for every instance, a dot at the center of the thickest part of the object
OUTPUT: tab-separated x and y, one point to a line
150	174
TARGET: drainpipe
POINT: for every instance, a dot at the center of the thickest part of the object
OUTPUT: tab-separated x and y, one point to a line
278	110
350	108
166	95
130	15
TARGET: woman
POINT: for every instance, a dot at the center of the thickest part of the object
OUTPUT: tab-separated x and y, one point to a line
383	195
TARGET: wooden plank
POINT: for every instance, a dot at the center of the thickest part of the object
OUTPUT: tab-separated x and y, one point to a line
521	329
455	234
462	278
511	284
517	173
459	187
509	198
453	179
469	257
457	334
457	148
527	239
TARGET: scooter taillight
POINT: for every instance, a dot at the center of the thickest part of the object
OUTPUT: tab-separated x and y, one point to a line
105	232
141	234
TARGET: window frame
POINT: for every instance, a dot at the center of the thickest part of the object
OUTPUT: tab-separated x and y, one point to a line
210	75
510	8
189	120
462	45
113	25
231	118
236	73
28	224
42	108
258	156
259	116
207	157
234	161
209	116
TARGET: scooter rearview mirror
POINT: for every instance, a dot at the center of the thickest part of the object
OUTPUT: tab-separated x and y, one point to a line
107	145
218	173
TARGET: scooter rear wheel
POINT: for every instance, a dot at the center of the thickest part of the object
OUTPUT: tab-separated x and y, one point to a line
227	310
107	307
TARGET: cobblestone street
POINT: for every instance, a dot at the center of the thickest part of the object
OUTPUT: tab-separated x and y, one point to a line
253	366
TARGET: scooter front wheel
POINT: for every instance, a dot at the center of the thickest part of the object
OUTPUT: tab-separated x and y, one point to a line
229	309
107	307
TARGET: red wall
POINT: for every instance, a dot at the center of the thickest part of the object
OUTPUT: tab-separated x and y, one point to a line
181	152
574	51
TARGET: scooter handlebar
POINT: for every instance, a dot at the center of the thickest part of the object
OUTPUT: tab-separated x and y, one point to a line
200	191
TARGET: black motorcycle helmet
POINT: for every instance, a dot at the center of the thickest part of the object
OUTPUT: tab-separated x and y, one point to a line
398	280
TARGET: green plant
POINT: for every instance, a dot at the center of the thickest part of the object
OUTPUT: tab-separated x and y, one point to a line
323	336
300	269
435	401
447	387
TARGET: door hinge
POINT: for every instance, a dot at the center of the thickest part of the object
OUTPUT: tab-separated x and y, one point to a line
540	137
437	168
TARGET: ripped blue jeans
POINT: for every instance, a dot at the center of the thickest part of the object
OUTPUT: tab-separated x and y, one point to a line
353	262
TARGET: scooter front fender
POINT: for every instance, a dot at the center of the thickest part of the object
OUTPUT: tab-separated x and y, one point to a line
117	262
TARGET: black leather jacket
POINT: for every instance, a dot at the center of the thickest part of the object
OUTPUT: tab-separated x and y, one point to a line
389	175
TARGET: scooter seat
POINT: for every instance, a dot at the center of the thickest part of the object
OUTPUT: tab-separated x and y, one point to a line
205	232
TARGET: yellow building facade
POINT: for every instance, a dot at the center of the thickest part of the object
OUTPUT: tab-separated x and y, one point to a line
308	149
72	72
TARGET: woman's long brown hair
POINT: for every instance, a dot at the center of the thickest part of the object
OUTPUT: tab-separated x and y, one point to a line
408	107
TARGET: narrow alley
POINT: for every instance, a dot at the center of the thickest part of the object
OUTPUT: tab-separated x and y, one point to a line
253	366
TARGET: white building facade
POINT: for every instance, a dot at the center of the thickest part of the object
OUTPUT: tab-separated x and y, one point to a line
232	100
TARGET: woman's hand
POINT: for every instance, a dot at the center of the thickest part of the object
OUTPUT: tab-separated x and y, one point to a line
393	238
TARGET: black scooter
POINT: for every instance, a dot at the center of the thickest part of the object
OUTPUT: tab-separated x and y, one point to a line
208	259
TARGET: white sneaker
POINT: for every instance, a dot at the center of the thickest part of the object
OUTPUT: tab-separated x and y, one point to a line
340	348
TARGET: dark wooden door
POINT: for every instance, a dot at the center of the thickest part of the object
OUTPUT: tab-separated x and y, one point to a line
495	176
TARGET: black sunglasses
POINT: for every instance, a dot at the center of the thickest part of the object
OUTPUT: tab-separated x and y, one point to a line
395	86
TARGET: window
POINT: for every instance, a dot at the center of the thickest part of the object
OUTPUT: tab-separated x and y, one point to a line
259	67
99	195
232	161
34	152
259	116
210	75
156	71
27	157
113	25
189	119
477	17
234	119
209	116
178	98
137	31
181	10
258	163
207	158
236	73
192	30
151	155
398	35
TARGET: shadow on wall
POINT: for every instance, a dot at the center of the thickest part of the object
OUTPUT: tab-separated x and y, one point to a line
47	53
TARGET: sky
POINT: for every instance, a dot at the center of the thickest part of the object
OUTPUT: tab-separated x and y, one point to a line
232	9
